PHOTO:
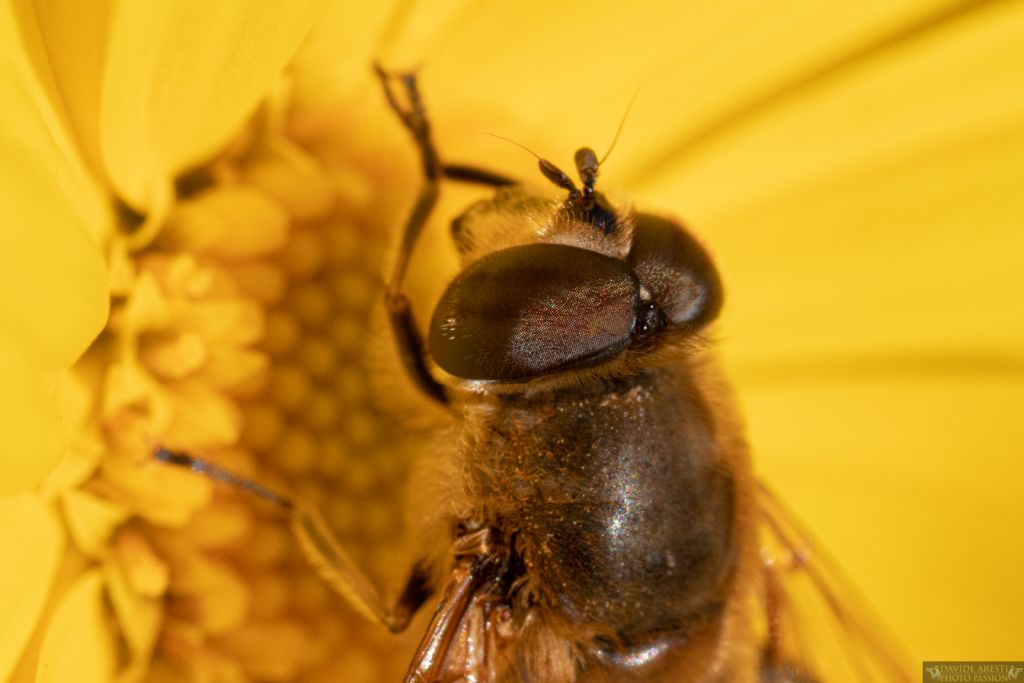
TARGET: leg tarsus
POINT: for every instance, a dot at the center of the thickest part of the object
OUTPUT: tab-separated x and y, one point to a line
404	328
464	173
416	591
413	117
322	550
339	571
410	346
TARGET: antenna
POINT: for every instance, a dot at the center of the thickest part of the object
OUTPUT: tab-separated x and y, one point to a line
622	122
517	144
550	171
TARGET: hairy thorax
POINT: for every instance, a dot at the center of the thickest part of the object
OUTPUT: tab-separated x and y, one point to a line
613	496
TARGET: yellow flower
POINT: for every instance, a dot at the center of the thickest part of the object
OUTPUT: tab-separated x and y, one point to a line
856	170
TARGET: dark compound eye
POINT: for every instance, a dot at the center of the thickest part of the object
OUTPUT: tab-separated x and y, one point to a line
531	310
677	271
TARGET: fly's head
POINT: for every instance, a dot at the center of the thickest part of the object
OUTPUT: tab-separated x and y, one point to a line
551	286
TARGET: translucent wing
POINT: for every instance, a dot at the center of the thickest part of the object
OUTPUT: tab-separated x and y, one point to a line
466	635
818	628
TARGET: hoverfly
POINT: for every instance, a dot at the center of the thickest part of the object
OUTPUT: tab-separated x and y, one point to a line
598	517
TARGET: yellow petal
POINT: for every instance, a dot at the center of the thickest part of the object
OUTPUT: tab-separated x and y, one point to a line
175	358
339	49
144	571
230	369
180	79
234	222
872	220
203	417
228	321
295	180
222	524
207	591
79	644
72	35
35	110
911	470
192	663
271	650
85	445
147	306
128	383
920	88
32	442
914	264
91	520
138	617
52	274
876	214
571	84
31	544
164	495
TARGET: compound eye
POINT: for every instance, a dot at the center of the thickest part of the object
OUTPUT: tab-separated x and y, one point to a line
677	271
531	310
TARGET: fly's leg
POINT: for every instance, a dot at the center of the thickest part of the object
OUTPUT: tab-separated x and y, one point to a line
322	550
403	323
461	173
410	111
339	571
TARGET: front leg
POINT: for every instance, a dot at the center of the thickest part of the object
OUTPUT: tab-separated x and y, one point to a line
323	552
404	328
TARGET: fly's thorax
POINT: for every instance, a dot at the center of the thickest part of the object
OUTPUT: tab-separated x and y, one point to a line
522	214
615	494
